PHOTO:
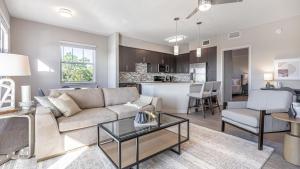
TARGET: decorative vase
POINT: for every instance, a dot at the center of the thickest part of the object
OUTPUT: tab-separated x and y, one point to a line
141	118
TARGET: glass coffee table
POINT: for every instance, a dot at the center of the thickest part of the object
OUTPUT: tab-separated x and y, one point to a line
126	144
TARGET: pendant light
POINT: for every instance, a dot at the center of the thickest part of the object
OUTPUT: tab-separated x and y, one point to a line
176	47
199	52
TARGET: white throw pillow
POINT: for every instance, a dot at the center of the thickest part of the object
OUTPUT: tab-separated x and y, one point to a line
141	102
65	104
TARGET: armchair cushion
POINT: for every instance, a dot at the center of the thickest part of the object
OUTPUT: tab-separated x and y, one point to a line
237	105
245	116
272	101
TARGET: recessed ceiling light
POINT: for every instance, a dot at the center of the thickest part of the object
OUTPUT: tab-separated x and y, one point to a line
172	39
64	12
204	5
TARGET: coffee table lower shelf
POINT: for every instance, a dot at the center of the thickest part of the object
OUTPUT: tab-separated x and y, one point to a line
148	146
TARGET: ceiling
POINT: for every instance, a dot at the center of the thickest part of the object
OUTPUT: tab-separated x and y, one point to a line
152	20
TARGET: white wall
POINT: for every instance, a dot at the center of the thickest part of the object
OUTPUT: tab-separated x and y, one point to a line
113	60
41	43
265	45
136	43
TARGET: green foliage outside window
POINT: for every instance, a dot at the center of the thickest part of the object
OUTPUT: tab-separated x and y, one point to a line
75	69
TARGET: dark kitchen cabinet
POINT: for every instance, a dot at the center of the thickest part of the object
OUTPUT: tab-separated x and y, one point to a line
171	62
183	63
127	59
142	56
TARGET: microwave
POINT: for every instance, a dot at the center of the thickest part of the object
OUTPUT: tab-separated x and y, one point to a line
163	68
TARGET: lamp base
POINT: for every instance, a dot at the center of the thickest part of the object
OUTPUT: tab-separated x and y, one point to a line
7	94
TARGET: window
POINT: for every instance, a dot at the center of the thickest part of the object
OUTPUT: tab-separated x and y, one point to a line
3	38
77	63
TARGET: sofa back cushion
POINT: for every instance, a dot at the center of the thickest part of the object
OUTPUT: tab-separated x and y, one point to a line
115	96
270	100
85	98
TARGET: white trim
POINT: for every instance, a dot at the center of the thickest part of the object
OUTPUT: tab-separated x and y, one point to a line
249	66
77	44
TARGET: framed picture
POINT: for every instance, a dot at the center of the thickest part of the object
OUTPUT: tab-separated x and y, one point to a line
287	69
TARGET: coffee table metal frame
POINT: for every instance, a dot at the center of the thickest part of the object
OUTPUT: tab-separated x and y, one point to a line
137	136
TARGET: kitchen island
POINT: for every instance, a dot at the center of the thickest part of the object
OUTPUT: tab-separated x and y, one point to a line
174	95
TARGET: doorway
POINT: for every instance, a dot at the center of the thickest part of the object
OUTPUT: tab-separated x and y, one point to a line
236	74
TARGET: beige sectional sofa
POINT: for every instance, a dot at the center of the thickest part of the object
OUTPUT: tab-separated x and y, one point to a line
54	136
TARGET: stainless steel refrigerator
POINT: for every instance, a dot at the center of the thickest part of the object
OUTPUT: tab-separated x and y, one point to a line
198	72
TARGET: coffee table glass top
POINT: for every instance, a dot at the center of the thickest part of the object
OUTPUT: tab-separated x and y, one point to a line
125	129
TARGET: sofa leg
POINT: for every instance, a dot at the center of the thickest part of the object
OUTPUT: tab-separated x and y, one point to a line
223	126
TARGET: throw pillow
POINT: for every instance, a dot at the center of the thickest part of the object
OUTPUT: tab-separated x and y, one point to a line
66	105
44	101
141	102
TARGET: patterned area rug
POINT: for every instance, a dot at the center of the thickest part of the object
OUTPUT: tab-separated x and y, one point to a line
207	149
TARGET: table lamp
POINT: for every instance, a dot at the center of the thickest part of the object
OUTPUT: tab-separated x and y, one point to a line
268	77
12	65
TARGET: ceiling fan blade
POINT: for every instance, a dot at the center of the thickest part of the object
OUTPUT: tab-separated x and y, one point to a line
192	14
216	2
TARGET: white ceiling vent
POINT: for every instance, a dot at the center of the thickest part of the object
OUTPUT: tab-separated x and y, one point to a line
205	43
234	35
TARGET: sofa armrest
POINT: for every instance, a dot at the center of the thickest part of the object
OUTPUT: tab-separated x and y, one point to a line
237	105
47	136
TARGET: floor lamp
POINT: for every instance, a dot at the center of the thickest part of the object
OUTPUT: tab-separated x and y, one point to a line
11	65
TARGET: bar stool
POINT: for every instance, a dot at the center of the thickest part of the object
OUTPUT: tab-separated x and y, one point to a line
201	97
215	93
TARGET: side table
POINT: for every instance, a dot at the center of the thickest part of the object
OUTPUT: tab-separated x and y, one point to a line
29	115
291	145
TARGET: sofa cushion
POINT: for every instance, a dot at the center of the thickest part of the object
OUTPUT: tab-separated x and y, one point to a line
85	98
117	96
86	118
270	100
127	110
124	111
245	116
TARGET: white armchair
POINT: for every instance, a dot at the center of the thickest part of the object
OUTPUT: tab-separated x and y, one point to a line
254	115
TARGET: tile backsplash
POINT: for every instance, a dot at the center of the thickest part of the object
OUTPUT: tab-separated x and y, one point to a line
141	75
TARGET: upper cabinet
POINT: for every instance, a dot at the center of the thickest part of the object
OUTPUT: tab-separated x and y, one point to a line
177	64
183	63
127	59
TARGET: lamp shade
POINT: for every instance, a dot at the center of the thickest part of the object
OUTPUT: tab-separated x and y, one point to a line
268	76
14	65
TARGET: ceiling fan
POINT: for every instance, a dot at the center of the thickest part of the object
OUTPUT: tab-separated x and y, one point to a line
205	5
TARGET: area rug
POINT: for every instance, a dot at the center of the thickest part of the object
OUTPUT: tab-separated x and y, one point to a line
207	149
